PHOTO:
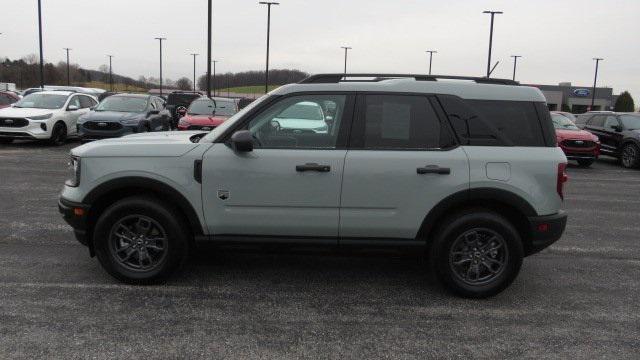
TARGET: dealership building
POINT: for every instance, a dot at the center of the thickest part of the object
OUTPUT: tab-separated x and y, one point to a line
576	98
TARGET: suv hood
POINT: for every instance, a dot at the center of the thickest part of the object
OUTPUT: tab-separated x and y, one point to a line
25	112
156	144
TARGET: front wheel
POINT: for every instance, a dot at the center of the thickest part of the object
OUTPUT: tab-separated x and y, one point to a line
477	253
630	156
140	240
58	134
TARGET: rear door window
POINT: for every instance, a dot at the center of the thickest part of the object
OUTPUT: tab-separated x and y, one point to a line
596	121
398	122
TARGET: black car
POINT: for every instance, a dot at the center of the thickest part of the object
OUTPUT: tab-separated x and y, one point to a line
123	114
178	101
619	134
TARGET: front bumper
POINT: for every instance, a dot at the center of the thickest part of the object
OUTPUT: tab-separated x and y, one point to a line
545	230
90	134
33	131
75	214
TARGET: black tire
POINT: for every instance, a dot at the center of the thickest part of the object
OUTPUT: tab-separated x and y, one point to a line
5	141
58	134
123	259
630	156
448	259
585	163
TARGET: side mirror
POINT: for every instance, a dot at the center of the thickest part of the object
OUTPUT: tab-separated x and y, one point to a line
154	112
72	107
242	141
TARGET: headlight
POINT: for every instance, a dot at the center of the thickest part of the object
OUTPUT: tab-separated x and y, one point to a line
41	117
74	172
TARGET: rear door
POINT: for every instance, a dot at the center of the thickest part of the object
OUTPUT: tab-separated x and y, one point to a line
612	130
402	161
595	125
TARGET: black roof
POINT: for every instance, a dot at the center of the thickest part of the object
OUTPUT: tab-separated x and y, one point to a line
375	77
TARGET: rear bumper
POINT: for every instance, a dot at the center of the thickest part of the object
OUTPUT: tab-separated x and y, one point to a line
545	230
75	214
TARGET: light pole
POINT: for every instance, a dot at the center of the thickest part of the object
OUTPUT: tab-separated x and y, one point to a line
40	37
194	71
214	76
346	49
595	80
493	13
68	76
266	73
209	9
160	39
110	74
431	52
515	64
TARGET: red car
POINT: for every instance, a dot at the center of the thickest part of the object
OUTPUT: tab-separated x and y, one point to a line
206	114
7	98
579	145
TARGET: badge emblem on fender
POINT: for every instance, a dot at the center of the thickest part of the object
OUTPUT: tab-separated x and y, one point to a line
223	194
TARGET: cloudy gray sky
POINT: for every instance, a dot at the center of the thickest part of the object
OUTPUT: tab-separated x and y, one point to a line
557	38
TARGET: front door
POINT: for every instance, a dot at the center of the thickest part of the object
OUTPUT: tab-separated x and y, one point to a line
402	161
290	184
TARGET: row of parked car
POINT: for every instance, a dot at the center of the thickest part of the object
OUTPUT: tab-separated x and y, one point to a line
585	137
54	114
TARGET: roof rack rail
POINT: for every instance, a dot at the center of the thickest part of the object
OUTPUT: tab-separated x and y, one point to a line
337	78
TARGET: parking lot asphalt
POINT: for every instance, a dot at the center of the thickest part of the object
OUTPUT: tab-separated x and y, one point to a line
577	299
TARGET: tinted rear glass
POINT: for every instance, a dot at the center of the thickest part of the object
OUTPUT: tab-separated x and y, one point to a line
493	122
597	120
181	98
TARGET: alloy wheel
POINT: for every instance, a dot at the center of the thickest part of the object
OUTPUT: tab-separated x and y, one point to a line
138	243
478	256
629	155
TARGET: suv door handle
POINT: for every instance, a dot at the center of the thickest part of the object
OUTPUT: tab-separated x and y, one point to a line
313	167
433	169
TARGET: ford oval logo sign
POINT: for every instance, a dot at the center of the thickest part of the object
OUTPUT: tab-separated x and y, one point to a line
581	92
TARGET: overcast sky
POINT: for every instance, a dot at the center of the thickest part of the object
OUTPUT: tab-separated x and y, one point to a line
557	38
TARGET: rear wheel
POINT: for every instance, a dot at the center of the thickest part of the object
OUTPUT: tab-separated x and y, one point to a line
630	156
58	134
477	253
585	163
140	240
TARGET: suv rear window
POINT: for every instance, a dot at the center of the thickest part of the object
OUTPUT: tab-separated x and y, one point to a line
181	98
494	122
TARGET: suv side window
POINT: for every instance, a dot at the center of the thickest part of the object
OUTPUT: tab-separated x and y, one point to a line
610	122
86	102
597	121
300	122
398	122
515	120
5	99
75	100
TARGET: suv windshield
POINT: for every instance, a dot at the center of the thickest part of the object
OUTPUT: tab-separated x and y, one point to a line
123	104
630	122
42	101
202	107
562	122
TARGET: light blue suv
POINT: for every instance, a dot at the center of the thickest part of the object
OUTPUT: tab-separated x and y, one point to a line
466	168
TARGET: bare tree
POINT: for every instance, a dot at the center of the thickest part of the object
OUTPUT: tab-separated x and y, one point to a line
184	84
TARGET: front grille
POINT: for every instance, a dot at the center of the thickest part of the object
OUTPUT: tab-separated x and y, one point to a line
13	122
102	125
578	143
199	127
16	135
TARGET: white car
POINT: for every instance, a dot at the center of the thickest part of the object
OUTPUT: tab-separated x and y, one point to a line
45	115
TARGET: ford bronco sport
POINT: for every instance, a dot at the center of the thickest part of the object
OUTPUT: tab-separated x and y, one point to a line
467	168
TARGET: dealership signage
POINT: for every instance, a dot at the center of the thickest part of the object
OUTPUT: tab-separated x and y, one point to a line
581	92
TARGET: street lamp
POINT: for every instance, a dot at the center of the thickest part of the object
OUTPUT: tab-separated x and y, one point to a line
346	49
431	52
160	39
266	74
209	8
110	74
68	76
493	13
40	37
194	71
595	80
214	76
515	64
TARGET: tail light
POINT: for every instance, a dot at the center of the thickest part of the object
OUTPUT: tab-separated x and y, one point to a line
562	178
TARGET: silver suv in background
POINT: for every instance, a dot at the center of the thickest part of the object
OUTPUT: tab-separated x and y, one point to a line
466	168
